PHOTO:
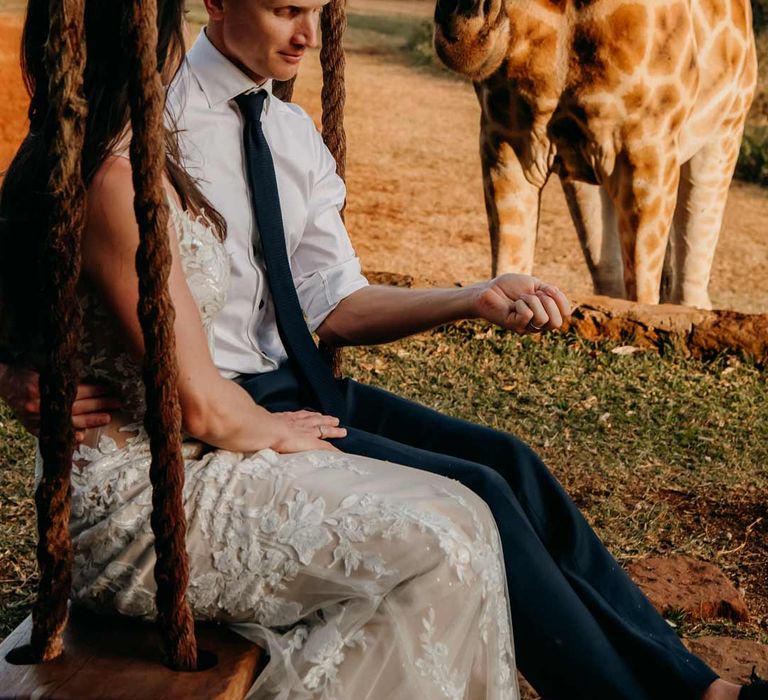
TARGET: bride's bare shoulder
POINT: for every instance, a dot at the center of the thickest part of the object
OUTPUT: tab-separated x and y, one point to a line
110	191
113	179
110	223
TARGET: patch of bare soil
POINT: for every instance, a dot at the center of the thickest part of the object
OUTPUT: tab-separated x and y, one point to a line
13	97
409	8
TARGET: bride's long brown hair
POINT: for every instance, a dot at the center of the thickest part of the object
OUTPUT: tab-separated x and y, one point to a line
24	197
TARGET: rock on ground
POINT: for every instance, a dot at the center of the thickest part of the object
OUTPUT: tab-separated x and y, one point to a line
732	658
680	583
692	331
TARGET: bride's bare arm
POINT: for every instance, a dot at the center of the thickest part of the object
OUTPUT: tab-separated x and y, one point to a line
214	409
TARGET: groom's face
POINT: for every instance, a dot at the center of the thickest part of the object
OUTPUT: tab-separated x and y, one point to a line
264	38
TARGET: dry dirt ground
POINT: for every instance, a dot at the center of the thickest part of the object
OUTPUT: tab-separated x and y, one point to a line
13	98
408	8
415	202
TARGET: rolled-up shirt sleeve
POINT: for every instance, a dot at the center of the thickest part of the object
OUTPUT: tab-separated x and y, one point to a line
324	265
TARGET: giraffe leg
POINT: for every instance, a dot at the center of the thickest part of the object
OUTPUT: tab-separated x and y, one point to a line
594	217
644	190
512	204
703	190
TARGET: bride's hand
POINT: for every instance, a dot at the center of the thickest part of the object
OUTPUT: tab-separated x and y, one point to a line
306	430
20	389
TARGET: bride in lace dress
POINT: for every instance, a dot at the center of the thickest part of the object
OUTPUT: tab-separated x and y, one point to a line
361	578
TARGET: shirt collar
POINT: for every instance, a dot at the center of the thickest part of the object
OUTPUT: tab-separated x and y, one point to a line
219	78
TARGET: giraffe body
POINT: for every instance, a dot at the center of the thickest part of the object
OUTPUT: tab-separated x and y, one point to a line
638	106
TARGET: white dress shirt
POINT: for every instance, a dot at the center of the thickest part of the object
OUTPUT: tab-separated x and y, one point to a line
324	265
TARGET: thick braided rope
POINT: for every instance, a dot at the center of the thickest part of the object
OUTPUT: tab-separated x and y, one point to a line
64	131
156	314
333	21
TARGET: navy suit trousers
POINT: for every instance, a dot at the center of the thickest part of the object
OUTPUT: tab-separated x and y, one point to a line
582	629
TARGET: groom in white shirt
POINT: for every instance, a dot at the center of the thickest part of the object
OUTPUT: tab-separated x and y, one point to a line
336	299
323	263
582	629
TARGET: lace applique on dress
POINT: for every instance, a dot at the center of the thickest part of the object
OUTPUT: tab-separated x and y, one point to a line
434	664
361	578
103	355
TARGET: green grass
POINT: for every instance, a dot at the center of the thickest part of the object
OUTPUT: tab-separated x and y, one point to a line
663	454
752	165
403	39
419	45
17	522
398	27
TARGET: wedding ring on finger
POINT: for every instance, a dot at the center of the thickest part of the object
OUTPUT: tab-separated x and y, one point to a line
533	328
322	434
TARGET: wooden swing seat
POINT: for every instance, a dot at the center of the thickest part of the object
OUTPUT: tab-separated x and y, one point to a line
119	658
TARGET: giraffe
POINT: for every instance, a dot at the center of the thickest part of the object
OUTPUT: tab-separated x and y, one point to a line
637	105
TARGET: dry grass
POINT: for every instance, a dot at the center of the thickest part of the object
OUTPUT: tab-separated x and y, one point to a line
663	454
17	523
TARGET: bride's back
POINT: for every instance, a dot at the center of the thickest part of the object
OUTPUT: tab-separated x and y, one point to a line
105	354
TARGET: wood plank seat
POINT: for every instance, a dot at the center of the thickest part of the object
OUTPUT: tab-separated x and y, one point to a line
119	658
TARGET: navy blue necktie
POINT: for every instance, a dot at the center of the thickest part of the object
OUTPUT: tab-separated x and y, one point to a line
265	200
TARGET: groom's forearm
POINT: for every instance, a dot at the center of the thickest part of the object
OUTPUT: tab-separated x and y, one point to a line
379	314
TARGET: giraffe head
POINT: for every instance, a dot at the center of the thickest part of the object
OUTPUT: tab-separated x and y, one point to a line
471	36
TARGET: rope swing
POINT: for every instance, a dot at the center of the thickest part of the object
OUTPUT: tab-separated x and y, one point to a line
162	420
64	132
333	22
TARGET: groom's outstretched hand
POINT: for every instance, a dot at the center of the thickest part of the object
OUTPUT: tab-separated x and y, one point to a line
522	303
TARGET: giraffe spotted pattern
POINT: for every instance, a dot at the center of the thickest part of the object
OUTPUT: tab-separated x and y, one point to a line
639	108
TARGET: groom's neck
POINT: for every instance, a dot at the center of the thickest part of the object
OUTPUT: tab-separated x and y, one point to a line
215	35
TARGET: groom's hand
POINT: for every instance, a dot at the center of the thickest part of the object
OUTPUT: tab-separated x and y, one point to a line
522	303
20	389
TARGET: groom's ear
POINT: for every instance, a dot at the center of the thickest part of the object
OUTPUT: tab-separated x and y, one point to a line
215	9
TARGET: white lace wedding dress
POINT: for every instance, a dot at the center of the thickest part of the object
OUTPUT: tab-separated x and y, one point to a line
363	579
